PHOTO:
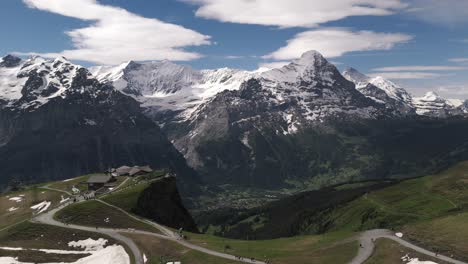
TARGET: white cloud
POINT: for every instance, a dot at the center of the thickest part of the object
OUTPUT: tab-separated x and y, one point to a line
292	13
455	90
116	35
233	57
334	42
440	12
459	60
419	68
408	75
273	65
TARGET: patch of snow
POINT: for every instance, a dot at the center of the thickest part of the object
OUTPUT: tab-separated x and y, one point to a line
64	199
410	260
144	258
16	199
89	244
41	207
400	235
110	255
68	180
11	209
12	248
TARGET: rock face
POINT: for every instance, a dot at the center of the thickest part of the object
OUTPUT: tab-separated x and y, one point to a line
58	121
161	202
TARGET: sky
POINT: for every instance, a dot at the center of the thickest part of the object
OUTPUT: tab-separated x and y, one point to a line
421	45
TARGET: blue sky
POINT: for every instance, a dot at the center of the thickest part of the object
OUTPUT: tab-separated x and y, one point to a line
420	44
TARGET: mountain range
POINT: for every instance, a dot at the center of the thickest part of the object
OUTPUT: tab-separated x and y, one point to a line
301	126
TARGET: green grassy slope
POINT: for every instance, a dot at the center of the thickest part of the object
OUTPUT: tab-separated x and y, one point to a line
96	214
390	252
352	208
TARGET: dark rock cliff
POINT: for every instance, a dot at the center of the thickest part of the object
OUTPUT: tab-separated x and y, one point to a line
161	202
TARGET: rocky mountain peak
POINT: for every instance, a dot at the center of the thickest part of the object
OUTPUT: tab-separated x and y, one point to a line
355	76
431	97
310	67
10	61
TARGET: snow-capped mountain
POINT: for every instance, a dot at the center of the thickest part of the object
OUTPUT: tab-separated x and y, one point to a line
248	121
61	121
386	92
431	104
31	83
381	91
271	128
165	86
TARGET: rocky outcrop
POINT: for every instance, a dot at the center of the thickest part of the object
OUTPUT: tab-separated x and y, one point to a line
162	203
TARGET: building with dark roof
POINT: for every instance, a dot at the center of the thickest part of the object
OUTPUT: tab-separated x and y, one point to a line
132	171
96	182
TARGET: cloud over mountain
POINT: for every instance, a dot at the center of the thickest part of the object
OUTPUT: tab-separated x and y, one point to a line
292	13
115	35
334	42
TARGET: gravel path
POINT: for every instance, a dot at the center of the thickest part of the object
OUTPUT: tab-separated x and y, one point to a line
366	241
48	218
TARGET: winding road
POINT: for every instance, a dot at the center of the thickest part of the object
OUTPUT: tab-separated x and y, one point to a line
367	238
48	218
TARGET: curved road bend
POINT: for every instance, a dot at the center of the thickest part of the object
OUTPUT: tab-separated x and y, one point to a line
367	246
48	218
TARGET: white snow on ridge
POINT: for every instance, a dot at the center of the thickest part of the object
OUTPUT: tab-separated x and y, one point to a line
391	89
165	86
10	85
57	77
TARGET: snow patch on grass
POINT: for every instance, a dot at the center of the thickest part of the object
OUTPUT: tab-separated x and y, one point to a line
110	255
41	207
89	244
12	209
409	260
16	199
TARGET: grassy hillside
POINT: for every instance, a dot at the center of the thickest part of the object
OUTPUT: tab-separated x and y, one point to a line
96	214
407	202
14	211
300	249
446	234
390	252
162	251
127	198
352	208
